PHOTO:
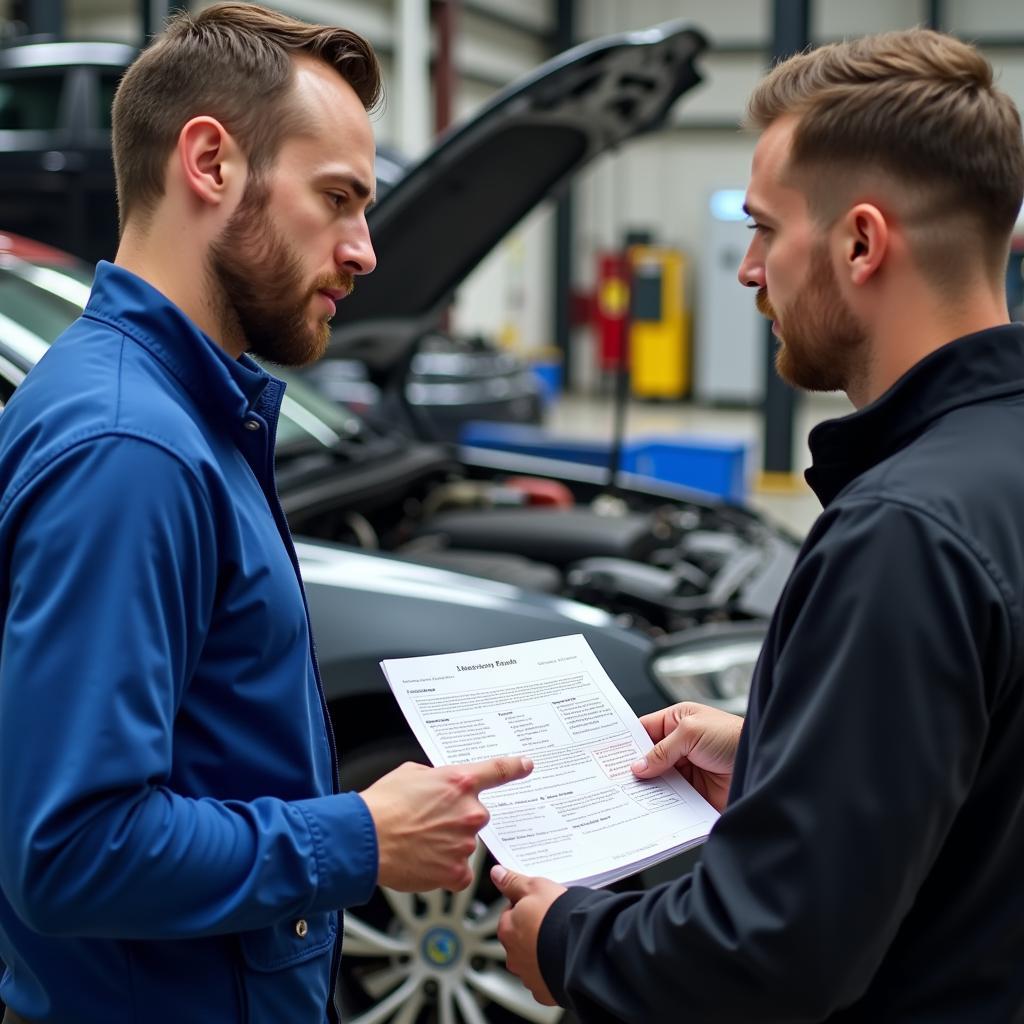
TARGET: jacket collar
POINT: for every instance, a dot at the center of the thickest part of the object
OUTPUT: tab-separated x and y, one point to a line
975	368
221	385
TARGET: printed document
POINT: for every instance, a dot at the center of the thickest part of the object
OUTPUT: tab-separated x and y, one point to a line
581	817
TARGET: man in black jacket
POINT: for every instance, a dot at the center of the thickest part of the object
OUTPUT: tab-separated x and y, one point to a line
868	862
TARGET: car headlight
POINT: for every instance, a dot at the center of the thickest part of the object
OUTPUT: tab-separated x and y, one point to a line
713	666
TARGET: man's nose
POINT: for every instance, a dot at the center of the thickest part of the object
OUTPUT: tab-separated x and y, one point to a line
751	271
355	254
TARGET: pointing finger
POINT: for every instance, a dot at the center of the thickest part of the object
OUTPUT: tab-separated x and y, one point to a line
498	770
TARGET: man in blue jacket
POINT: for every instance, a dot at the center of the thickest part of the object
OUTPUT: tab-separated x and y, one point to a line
173	847
867	863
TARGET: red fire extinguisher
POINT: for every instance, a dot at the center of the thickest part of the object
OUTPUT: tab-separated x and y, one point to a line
611	309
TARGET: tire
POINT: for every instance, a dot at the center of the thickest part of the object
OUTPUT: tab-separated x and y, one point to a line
428	958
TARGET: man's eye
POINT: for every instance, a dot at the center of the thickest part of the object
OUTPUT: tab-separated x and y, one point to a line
336	199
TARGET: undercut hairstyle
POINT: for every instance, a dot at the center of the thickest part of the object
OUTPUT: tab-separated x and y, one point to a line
233	62
920	110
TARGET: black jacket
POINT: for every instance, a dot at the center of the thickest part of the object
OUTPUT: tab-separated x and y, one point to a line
870	863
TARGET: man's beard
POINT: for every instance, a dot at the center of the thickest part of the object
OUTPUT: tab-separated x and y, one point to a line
822	343
257	278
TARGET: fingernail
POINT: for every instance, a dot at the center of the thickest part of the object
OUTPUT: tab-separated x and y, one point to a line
527	764
640	766
498	874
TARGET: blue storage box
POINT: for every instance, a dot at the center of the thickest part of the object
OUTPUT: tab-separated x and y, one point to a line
527	439
717	466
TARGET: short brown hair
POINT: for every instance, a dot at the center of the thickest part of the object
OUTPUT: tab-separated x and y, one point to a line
232	61
918	106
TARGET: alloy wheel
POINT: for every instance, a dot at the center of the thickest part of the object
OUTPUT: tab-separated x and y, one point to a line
435	957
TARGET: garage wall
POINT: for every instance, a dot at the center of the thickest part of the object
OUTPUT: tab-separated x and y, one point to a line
101	19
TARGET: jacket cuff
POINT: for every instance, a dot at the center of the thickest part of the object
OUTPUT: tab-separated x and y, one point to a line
553	938
345	846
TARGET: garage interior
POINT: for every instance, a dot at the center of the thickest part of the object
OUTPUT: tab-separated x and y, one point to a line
551	293
605	328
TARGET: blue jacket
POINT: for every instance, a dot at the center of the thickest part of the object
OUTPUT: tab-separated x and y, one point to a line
172	846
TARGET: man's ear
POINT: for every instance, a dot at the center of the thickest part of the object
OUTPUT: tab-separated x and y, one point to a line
211	163
864	239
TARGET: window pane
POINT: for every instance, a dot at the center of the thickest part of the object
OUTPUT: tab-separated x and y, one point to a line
30	102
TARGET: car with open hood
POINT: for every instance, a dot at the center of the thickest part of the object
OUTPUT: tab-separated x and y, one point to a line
452	378
414	548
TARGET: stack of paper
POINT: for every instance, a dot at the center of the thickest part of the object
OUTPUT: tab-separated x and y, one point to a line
582	817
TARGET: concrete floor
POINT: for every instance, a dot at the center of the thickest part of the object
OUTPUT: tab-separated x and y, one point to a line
577	416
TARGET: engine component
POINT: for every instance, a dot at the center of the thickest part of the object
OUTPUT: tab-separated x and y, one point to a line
557	536
539	491
520	572
684	587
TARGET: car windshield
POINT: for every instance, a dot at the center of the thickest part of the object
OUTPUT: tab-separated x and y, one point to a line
41	300
31	101
306	415
38	302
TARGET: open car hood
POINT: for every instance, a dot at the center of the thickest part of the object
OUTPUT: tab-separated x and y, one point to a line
454	206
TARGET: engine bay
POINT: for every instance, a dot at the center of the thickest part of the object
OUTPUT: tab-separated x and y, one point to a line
656	564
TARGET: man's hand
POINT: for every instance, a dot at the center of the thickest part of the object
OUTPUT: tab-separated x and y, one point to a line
530	899
698	741
427	820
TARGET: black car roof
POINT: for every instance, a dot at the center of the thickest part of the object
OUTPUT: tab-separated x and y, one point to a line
25	55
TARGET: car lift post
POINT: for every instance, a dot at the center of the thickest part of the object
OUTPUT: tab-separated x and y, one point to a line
563	38
790	34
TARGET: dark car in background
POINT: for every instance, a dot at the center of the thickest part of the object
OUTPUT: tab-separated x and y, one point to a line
56	169
410	548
